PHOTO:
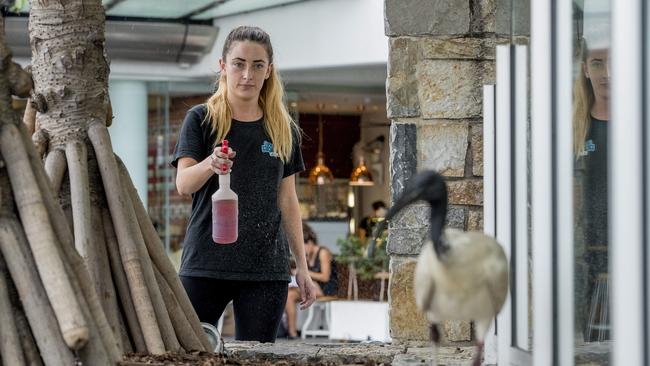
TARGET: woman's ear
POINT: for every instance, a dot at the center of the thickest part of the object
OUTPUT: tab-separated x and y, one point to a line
584	69
222	64
268	71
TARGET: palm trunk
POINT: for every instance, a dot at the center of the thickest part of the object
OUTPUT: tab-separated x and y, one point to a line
10	346
76	310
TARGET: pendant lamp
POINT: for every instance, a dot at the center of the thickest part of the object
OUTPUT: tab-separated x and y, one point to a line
361	175
320	174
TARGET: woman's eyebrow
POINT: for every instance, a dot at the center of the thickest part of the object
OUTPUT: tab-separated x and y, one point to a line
244	60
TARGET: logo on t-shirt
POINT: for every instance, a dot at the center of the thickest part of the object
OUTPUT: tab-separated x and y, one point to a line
590	147
267	148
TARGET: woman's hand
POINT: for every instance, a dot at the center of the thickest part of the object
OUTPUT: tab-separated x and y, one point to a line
307	289
221	163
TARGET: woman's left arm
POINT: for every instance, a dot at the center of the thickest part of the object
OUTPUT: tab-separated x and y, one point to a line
292	223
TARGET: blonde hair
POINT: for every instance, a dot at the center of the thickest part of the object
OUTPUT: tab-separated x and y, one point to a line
583	100
277	121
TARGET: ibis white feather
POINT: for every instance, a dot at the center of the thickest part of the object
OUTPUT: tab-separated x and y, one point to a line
459	275
469	283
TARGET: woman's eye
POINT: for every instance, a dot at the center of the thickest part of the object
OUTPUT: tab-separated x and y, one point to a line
596	64
239	65
259	66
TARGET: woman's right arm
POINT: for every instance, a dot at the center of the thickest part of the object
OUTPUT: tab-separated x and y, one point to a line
192	175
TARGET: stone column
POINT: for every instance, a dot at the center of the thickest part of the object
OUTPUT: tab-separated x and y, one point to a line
129	129
441	54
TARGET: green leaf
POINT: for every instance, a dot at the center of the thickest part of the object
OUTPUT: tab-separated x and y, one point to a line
18	6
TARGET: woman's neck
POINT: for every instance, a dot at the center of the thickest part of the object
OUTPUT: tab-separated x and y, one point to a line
245	110
600	110
311	253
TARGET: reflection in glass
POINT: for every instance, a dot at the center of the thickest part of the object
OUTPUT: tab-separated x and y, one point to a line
590	127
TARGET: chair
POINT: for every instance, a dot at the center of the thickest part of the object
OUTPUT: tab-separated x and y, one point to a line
598	322
383	277
322	306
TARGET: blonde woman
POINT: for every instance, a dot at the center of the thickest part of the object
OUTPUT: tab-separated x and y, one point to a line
247	109
591	125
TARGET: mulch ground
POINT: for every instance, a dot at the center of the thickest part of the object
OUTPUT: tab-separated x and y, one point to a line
193	358
207	359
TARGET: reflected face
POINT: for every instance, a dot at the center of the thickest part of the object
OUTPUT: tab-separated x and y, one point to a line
597	70
246	68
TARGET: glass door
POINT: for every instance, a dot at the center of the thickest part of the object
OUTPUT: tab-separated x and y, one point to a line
590	119
629	192
590	212
507	169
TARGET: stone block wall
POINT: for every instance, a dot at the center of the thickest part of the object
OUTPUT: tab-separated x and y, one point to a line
441	53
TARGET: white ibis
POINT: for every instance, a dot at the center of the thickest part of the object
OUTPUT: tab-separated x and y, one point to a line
459	275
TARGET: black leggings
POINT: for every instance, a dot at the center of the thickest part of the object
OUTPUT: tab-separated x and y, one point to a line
258	305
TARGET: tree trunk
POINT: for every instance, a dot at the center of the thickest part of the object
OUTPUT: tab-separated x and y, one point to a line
160	259
125	295
70	72
10	346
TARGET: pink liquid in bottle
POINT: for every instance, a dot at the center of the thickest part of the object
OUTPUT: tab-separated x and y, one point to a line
224	221
224	209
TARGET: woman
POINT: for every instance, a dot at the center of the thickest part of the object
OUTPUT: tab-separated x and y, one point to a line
322	270
590	126
253	272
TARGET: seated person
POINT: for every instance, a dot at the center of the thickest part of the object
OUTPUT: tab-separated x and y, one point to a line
368	223
322	270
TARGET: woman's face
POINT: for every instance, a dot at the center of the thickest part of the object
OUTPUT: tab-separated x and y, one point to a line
597	70
246	68
309	246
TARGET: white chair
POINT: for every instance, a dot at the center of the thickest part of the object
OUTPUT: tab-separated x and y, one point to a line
598	323
322	328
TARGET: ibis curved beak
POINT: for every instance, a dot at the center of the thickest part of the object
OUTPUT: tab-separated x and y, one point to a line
428	186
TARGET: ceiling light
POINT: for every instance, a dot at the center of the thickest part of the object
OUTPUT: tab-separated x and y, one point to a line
320	174
361	176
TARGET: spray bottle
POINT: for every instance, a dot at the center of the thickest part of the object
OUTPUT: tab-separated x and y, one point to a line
224	208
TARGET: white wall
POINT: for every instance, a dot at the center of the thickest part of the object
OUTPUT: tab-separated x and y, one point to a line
129	129
318	33
305	35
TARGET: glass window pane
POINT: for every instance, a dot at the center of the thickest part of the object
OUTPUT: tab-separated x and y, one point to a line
156	8
591	127
235	7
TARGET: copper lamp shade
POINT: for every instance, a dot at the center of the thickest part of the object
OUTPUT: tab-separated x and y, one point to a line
320	174
361	176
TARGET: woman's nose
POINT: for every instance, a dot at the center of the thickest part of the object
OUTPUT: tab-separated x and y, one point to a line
248	73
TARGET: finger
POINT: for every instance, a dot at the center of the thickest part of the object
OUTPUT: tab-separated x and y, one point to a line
218	163
221	166
303	305
306	300
307	303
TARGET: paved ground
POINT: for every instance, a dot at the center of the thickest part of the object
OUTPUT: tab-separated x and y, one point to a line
323	351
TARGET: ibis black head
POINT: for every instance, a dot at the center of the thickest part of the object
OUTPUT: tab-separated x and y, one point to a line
426	186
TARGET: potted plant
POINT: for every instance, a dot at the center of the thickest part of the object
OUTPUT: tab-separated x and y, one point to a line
354	254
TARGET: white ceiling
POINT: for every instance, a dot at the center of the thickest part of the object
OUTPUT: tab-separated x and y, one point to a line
183	9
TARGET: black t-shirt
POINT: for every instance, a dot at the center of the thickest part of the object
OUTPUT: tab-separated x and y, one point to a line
261	251
595	184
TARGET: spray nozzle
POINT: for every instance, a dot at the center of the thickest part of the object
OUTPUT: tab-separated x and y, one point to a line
224	149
